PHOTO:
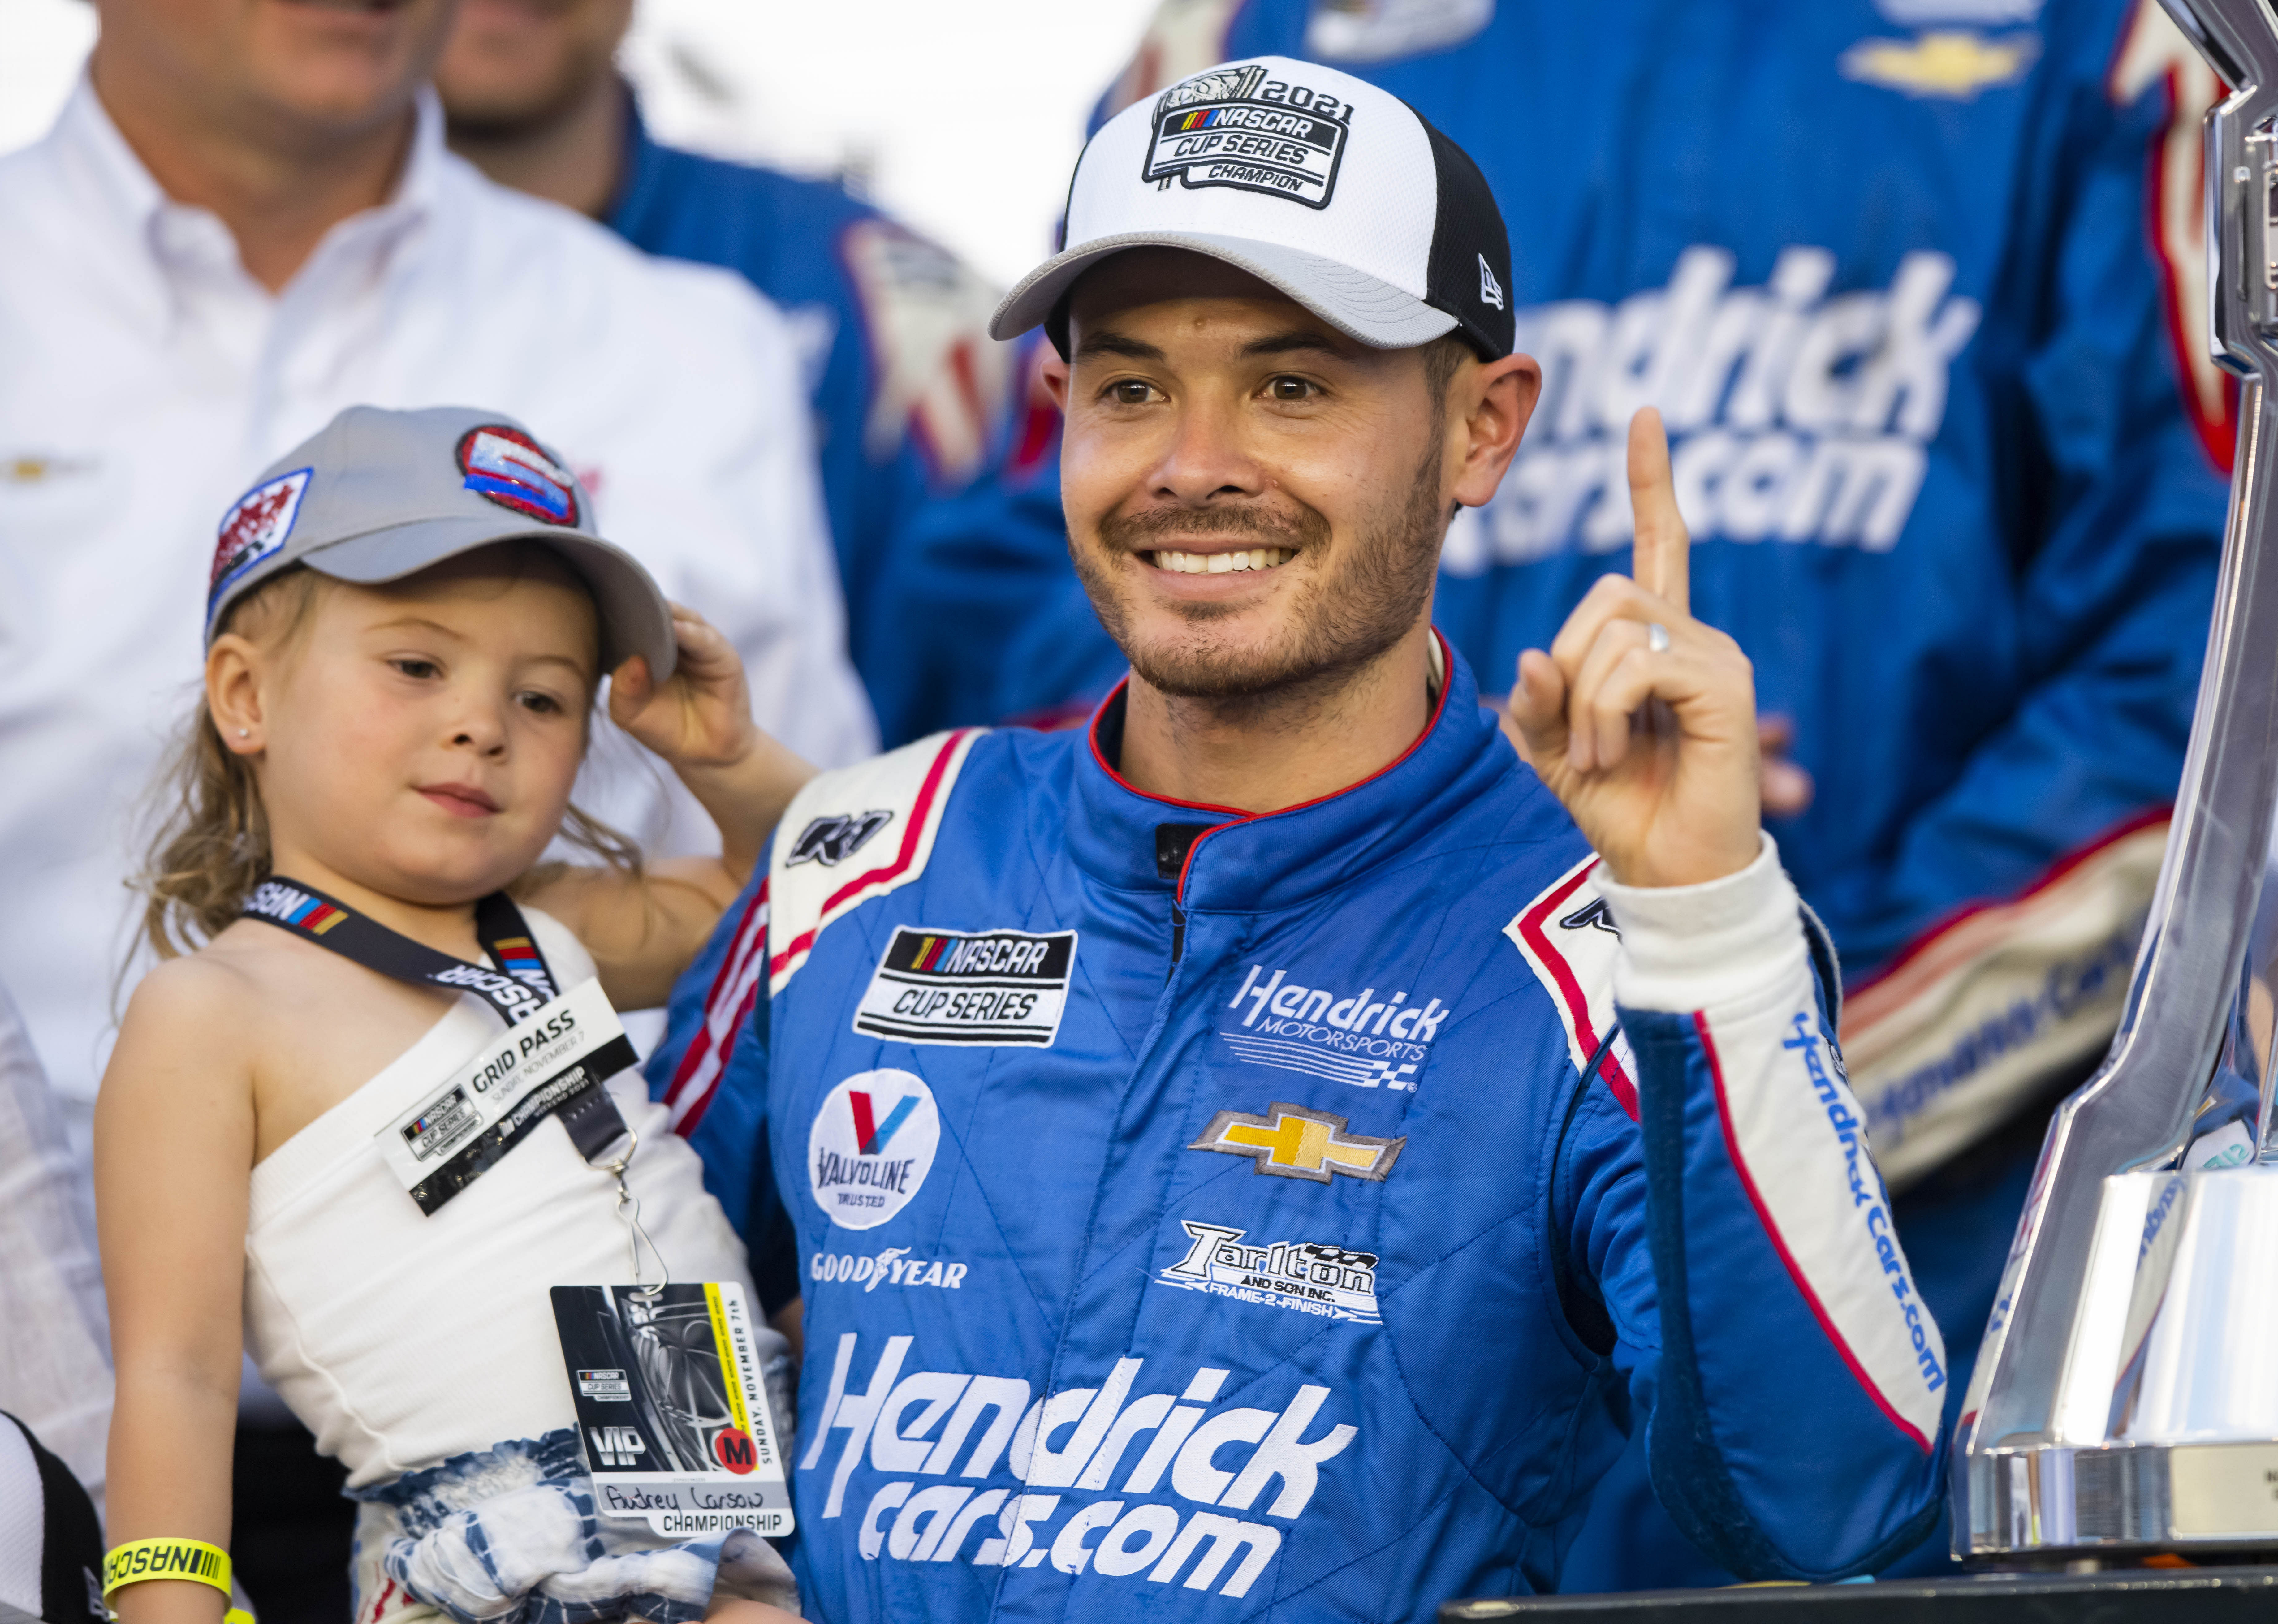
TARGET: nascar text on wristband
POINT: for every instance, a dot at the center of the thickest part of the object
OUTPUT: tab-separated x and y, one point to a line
164	1558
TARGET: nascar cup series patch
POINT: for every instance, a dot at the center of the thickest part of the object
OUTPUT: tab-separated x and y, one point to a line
871	1146
997	987
1238	127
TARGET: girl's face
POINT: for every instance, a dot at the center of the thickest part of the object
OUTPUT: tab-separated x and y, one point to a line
421	738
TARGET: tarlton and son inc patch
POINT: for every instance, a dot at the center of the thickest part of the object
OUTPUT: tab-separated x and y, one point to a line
998	986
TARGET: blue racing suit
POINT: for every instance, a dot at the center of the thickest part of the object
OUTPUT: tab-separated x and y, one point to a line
1918	288
1209	1216
912	401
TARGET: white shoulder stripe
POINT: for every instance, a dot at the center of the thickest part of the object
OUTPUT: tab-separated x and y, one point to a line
1947	1041
854	835
1568	940
1797	1142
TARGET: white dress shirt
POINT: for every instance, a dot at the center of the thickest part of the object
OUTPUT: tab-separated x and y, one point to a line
145	378
55	1330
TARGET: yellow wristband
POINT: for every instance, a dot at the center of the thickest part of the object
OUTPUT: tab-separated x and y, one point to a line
164	1558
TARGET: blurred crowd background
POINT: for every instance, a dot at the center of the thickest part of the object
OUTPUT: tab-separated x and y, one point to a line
1918	283
806	89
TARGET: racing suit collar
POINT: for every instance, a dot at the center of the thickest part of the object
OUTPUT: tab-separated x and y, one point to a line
1241	862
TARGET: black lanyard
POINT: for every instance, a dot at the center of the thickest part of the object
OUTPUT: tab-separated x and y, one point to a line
515	993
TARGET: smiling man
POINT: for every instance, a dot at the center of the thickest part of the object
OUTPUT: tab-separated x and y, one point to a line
1274	1144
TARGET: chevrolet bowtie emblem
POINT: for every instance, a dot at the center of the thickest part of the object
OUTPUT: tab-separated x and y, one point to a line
1953	65
1292	1142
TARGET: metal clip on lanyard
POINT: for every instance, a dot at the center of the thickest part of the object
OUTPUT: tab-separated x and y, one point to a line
522	984
629	1209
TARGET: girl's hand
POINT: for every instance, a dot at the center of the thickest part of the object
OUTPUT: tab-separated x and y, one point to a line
702	717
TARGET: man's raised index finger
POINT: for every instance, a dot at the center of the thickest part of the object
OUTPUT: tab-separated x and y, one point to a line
1660	561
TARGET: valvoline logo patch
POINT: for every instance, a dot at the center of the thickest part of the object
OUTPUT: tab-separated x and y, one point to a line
513	471
871	1146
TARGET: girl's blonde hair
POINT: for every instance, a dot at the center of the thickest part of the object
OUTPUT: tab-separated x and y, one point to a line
211	846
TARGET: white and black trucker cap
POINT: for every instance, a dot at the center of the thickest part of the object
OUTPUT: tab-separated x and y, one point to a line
1332	190
374	496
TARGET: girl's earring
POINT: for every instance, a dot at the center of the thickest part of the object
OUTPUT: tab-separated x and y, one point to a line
245	733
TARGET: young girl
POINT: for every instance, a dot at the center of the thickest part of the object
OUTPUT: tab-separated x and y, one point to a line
409	623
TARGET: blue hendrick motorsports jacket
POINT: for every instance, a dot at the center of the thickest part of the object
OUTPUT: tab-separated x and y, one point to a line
1204	1215
1917	285
915	407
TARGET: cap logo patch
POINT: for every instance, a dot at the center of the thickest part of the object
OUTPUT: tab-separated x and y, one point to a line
253	531
1236	127
1490	290
508	467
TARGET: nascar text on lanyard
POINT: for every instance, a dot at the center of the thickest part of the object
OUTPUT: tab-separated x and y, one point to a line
558	1051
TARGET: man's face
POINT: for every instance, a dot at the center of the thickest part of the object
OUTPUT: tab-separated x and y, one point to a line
342	67
1254	500
512	64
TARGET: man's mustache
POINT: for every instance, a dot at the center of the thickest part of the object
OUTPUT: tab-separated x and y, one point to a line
1154	527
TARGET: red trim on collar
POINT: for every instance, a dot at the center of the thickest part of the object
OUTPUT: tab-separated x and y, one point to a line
1091	736
1235	815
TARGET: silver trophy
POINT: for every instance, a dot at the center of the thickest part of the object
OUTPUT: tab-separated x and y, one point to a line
2126	1397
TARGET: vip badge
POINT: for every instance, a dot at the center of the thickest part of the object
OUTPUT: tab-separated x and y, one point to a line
871	1146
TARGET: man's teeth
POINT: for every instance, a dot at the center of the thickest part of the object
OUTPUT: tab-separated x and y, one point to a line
1222	564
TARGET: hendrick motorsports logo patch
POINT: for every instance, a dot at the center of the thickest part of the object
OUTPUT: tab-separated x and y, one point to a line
956	986
871	1146
1311	1278
1235	128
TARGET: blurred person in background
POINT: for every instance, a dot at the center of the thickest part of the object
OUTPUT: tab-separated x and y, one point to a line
912	398
244	219
55	1330
1918	286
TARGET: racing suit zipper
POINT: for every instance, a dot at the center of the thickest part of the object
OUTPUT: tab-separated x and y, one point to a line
1173	843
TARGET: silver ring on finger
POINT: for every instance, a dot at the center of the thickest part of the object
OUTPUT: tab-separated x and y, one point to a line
1656	637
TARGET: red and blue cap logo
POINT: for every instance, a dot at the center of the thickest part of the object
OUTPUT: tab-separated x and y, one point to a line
253	531
513	471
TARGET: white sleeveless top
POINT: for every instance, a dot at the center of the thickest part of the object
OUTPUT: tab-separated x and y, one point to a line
401	1340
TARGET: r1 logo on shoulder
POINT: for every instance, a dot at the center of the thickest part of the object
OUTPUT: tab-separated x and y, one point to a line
670	1408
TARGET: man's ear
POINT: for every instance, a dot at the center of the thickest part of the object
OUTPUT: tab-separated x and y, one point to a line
1488	407
234	669
1054	371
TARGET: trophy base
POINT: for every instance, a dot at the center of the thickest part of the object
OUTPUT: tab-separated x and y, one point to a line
2150	1596
2049	1499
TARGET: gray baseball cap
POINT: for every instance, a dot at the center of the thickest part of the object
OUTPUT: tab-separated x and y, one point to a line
375	496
